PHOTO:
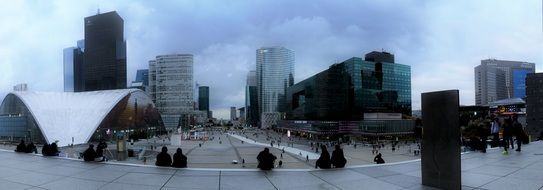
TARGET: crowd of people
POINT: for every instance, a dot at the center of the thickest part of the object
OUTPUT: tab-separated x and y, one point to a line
512	133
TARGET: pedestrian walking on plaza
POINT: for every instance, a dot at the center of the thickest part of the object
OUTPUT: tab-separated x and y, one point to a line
21	147
507	135
163	158
379	159
495	131
89	154
265	159
338	159
179	160
324	160
518	130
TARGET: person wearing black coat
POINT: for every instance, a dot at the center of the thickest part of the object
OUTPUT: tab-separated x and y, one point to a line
379	159
53	150
89	154
519	133
324	160
163	158
265	159
46	149
31	148
338	159
179	160
21	147
508	134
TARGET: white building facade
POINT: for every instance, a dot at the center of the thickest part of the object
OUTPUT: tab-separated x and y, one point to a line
171	86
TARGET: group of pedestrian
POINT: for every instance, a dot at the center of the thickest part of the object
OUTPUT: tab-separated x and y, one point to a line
337	160
24	148
164	159
511	127
50	149
98	155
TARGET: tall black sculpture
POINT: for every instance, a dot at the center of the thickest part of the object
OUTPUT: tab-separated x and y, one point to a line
440	157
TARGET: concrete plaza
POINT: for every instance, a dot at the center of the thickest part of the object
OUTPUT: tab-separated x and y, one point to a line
491	170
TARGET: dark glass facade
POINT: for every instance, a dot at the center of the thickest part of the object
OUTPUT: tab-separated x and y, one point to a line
203	98
349	89
142	75
251	109
105	52
534	104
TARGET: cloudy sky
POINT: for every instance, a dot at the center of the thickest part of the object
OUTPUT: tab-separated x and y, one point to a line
441	40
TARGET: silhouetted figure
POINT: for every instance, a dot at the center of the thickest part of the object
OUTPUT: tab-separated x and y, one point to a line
21	147
518	131
338	159
54	150
31	148
179	160
324	160
163	158
265	159
495	131
100	149
89	154
507	135
46	149
379	159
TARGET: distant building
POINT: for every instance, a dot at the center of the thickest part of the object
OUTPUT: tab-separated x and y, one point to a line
274	73
171	86
534	104
498	79
142	80
73	67
353	97
20	87
203	99
251	100
105	52
241	114
233	115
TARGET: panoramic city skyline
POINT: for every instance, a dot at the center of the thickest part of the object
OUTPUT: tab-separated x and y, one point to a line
441	41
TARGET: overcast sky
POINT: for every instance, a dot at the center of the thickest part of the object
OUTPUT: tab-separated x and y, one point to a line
441	40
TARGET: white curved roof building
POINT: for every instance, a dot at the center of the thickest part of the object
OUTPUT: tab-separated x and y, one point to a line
69	116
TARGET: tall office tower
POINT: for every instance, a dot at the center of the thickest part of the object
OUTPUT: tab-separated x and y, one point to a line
233	114
142	80
275	73
251	100
534	104
105	52
203	99
171	84
73	67
499	79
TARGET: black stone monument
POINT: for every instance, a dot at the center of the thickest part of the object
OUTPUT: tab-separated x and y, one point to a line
440	159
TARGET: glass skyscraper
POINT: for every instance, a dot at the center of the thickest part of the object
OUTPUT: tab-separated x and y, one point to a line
105	52
251	100
73	67
274	73
203	99
348	90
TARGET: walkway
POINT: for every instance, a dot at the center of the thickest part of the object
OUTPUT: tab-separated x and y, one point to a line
484	171
294	151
